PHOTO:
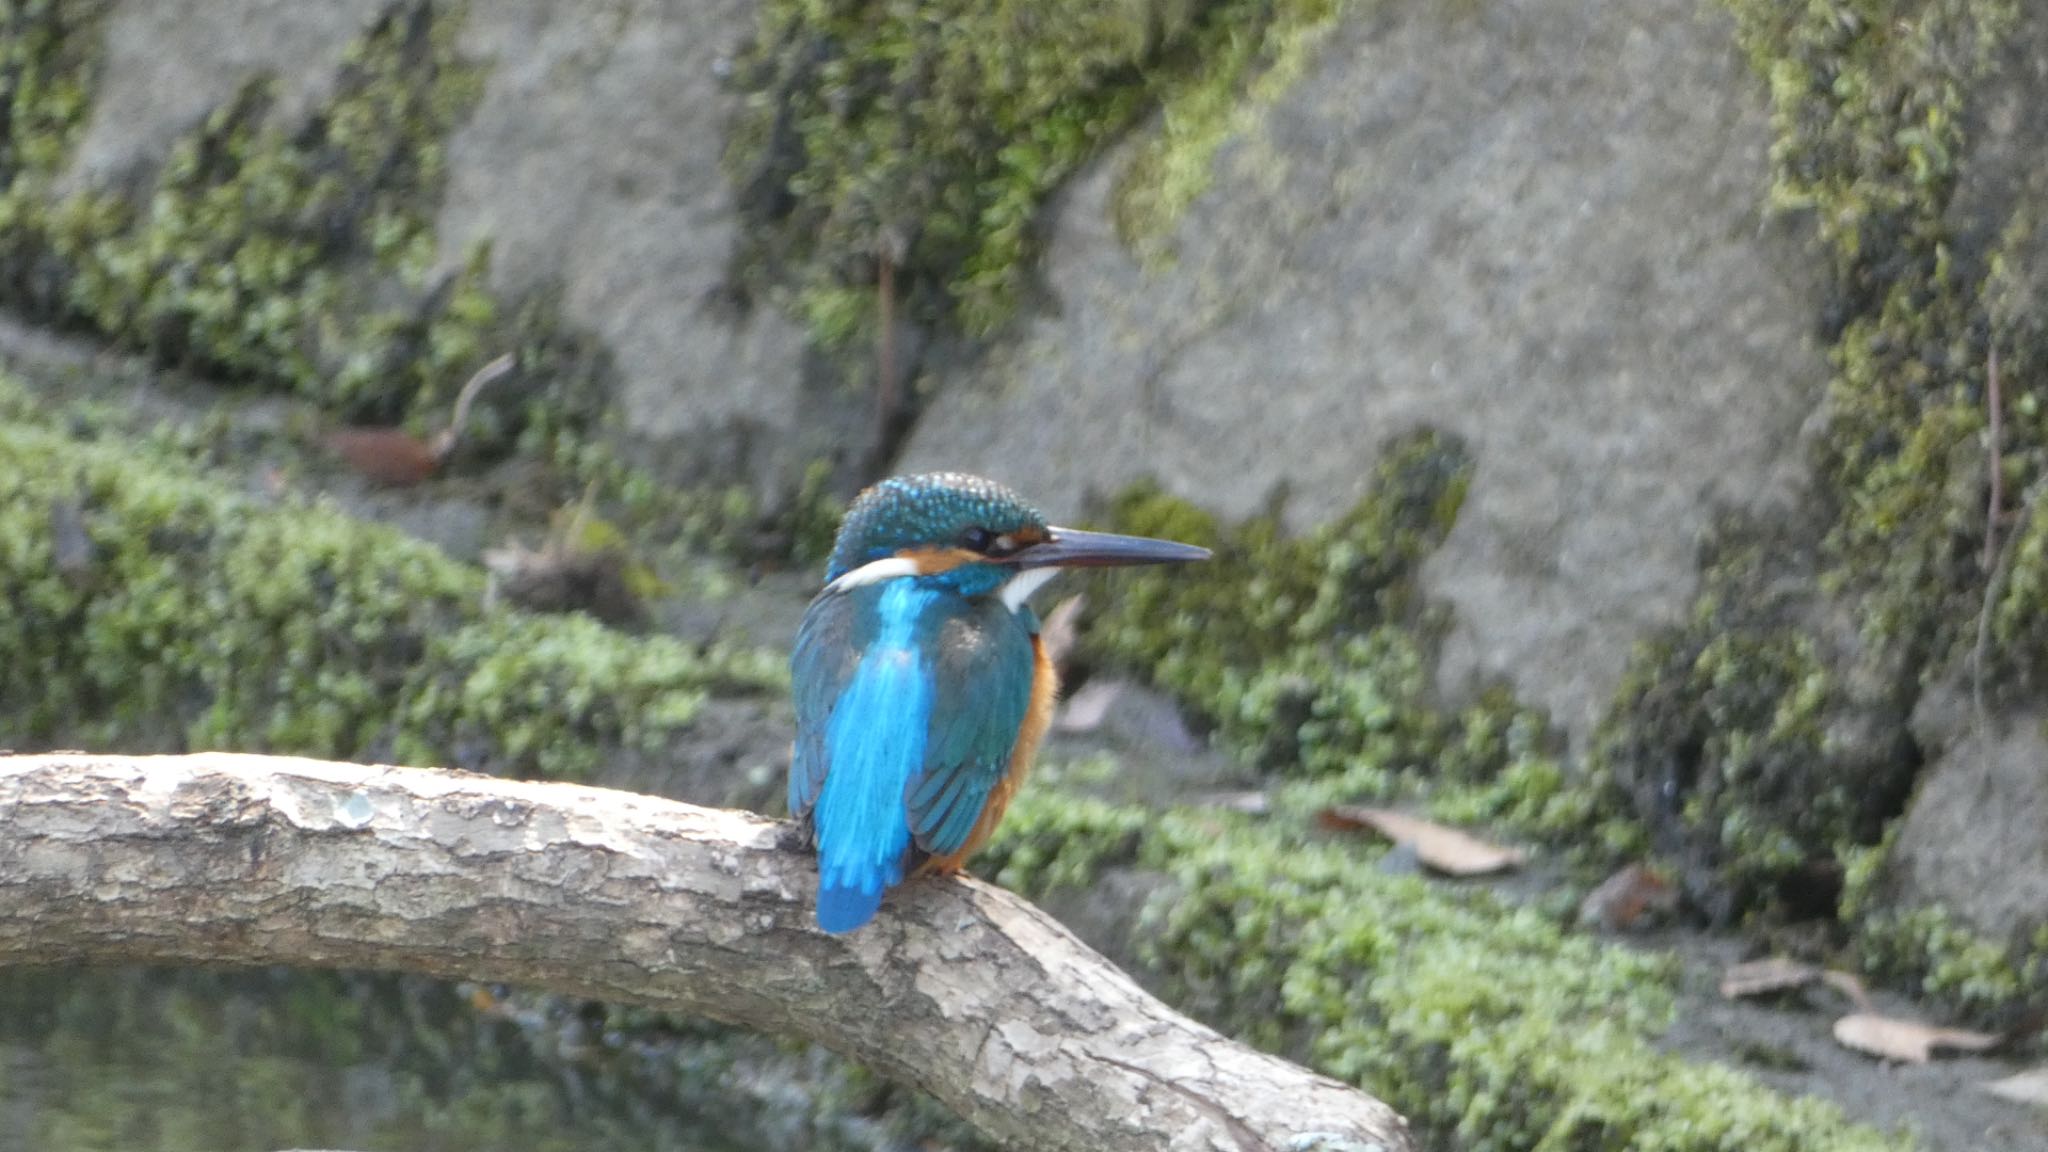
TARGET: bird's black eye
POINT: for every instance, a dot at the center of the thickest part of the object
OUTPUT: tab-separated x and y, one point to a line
977	540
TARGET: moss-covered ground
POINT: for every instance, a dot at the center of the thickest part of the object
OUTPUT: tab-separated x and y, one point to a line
148	607
1490	1026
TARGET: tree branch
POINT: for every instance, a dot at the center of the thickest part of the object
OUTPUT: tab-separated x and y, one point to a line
958	987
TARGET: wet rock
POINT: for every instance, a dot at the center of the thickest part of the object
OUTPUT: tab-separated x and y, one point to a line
1535	224
1975	839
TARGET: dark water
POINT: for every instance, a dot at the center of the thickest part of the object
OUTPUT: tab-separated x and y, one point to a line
189	1061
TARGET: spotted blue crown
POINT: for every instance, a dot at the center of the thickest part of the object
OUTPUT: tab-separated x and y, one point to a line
934	510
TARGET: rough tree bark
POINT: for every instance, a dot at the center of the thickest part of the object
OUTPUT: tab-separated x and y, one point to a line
958	987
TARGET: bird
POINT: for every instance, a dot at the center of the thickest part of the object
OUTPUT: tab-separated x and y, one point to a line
920	683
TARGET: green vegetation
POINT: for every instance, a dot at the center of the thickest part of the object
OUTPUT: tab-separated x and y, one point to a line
1312	657
149	608
1489	1026
289	256
1871	111
932	131
1203	108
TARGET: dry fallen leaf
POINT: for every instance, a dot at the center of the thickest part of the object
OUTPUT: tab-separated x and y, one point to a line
2029	1087
1442	849
1085	710
1758	977
1906	1040
1061	629
1623	899
390	456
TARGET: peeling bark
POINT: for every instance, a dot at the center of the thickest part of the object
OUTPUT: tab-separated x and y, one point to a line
958	987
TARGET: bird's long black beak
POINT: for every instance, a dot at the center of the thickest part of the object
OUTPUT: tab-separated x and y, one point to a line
1074	548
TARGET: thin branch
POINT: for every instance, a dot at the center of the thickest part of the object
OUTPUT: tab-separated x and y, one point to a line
1992	588
444	443
1996	460
958	987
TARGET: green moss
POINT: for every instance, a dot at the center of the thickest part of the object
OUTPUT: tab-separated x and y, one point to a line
1313	658
1924	948
148	608
935	130
1489	1026
287	256
1202	109
1869	104
1719	738
939	125
49	56
1265	594
49	61
1758	743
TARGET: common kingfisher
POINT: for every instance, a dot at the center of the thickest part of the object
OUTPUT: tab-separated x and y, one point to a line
921	685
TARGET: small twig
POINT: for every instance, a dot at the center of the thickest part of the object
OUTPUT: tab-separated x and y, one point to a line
885	344
1997	461
444	443
2000	570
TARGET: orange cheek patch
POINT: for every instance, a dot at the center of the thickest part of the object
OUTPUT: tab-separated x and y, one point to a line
934	560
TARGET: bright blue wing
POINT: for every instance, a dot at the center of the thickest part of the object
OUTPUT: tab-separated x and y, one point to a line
984	666
863	685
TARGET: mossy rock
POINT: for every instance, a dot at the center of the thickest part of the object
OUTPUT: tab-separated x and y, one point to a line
928	135
297	257
1312	657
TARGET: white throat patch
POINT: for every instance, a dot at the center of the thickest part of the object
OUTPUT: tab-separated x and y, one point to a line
1015	592
873	572
1023	584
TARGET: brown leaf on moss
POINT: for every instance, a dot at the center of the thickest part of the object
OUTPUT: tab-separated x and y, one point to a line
1623	900
389	456
1908	1041
398	458
1761	977
1439	848
1061	630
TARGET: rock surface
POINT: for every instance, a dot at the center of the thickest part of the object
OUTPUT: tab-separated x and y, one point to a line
171	62
1533	223
593	162
591	166
1975	840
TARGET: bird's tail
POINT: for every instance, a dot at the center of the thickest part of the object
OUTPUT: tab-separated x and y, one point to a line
862	840
847	900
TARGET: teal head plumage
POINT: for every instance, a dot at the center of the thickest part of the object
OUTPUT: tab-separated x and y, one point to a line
921	686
